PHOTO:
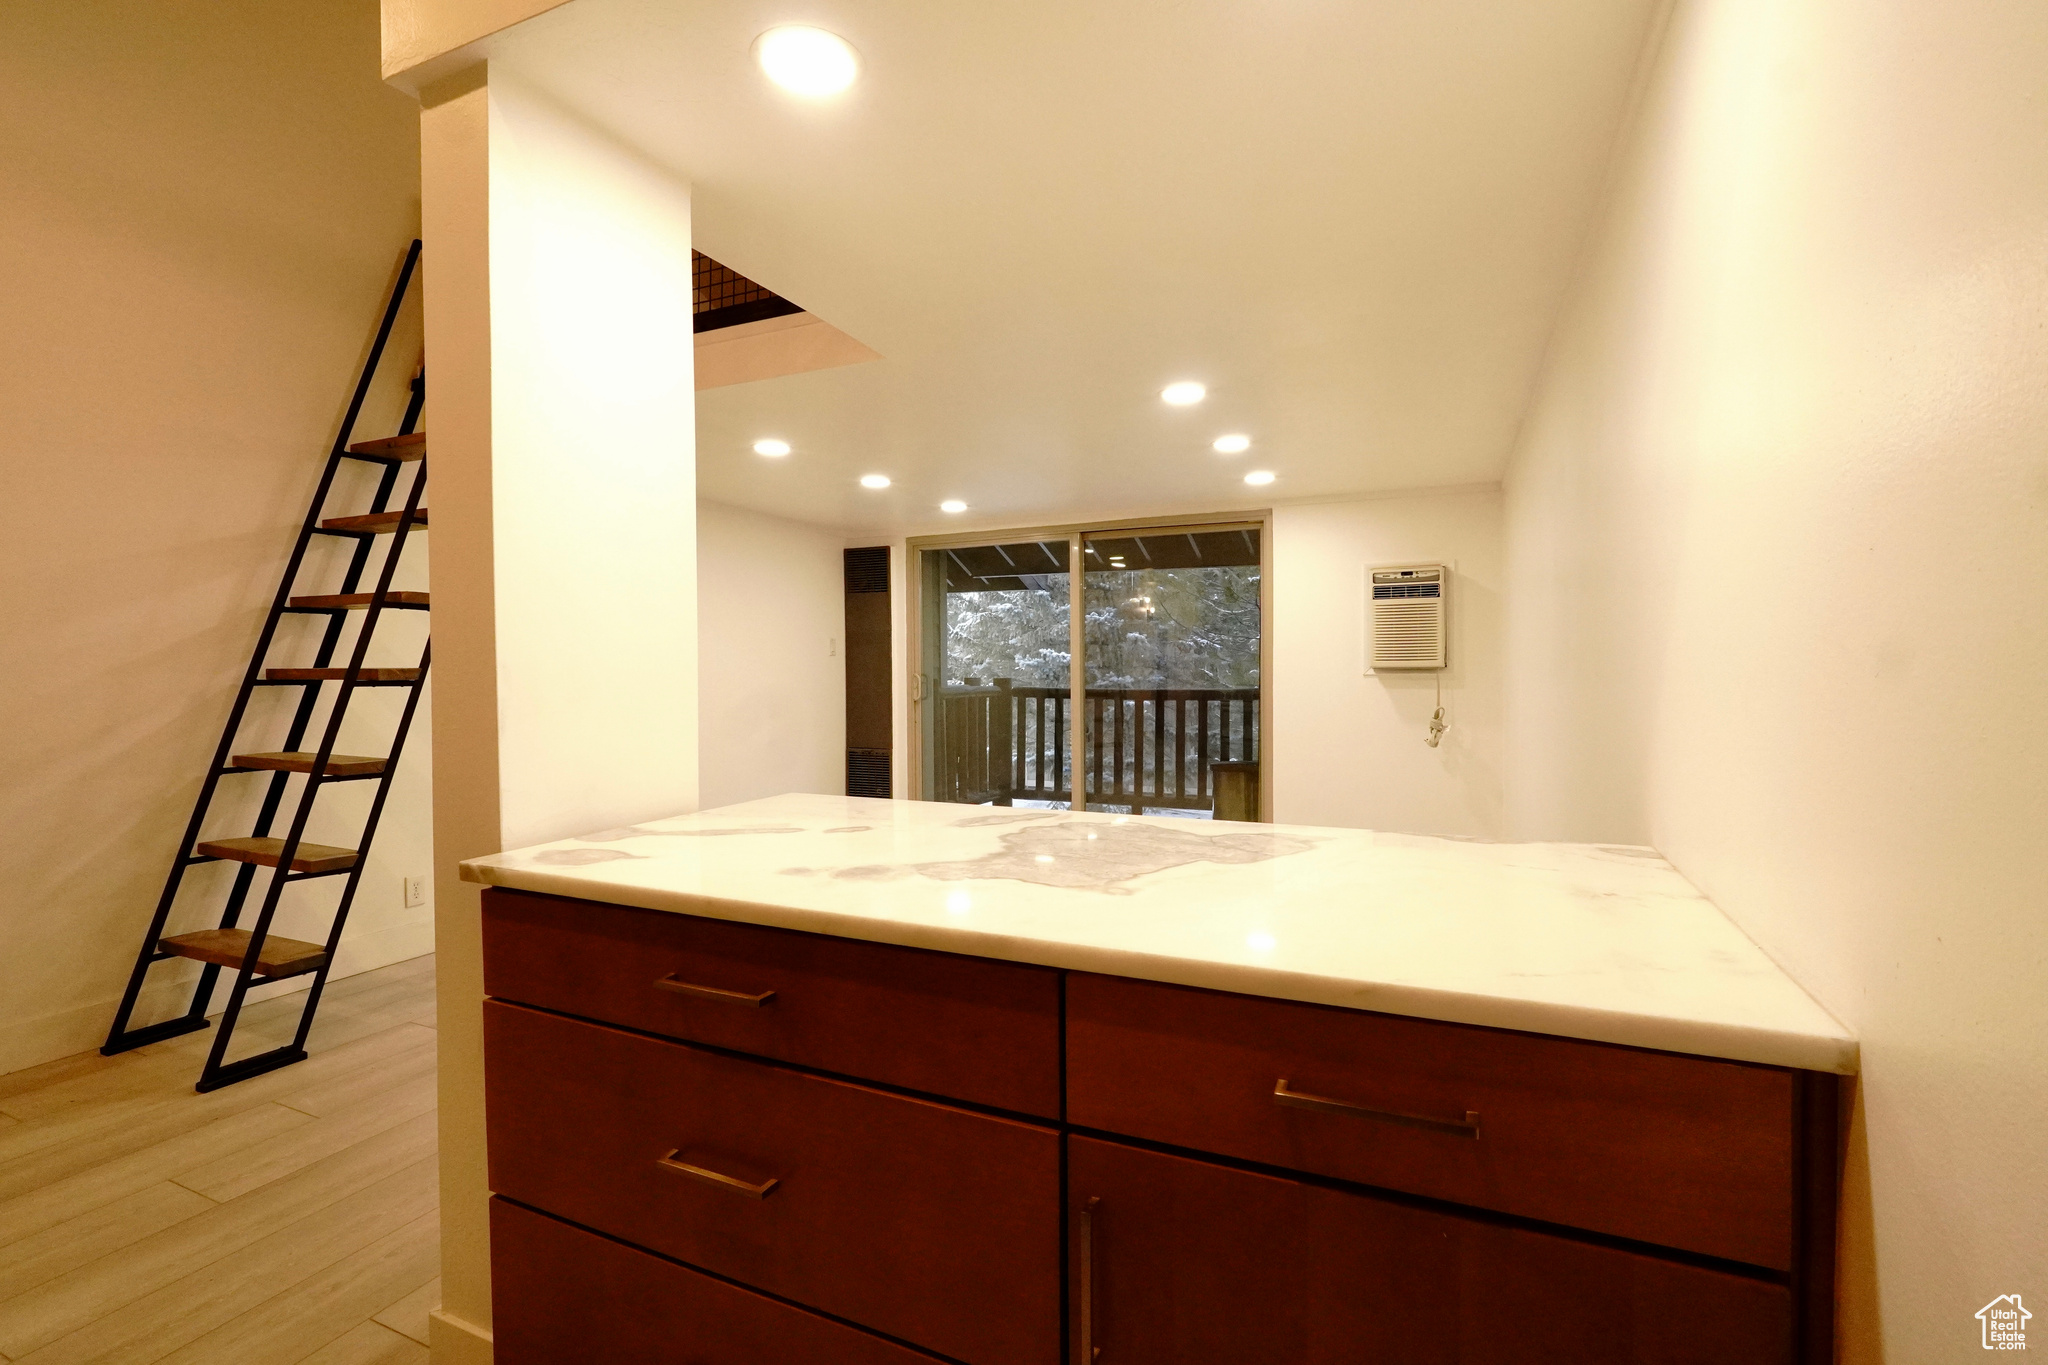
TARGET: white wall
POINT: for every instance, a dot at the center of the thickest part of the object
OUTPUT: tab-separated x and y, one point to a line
204	207
771	701
423	39
558	330
593	478
1778	583
1347	747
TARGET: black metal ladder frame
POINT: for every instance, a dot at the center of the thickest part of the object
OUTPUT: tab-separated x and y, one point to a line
219	1072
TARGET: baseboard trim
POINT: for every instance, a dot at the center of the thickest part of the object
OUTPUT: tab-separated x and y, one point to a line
81	1028
64	1033
452	1341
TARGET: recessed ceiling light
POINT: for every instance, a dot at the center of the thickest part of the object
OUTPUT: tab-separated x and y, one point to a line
952	505
771	448
807	61
1183	393
878	480
1259	476
1233	445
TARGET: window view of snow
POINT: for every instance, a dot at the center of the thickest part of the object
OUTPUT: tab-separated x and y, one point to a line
1171	633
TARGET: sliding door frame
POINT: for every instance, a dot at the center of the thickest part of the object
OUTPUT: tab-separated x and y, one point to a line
919	685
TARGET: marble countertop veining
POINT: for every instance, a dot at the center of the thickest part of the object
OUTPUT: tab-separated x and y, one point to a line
1577	940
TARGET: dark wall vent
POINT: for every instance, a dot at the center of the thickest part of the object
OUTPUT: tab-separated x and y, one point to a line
867	772
867	570
870	728
722	297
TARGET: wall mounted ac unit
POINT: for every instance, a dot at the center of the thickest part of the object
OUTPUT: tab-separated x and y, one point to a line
1408	616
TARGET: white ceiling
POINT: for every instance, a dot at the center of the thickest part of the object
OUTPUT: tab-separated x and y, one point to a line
1352	219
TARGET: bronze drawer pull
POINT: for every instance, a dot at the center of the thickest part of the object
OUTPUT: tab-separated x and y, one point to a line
730	1182
669	983
1466	1127
1086	1273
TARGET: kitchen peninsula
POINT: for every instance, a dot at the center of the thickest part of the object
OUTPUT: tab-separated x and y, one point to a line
827	1078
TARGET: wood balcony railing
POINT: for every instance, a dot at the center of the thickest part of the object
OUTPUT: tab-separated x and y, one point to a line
1147	747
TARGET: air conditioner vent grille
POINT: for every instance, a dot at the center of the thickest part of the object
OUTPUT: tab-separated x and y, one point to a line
1407	617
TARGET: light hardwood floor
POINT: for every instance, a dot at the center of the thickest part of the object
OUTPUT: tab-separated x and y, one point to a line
289	1219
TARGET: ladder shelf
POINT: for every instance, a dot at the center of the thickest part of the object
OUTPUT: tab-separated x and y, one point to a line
253	953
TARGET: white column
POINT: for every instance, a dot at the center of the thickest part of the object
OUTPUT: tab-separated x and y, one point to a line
562	435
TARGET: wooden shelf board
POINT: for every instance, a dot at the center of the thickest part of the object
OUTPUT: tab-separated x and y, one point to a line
337	674
377	522
264	853
226	947
413	447
352	600
300	761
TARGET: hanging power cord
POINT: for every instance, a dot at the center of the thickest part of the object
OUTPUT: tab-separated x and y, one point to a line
1437	723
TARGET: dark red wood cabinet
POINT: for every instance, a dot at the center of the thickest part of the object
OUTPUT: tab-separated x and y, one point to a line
1682	1152
835	1151
969	1029
1177	1260
564	1294
916	1219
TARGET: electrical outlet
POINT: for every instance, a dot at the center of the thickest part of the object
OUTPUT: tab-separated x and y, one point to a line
831	646
415	891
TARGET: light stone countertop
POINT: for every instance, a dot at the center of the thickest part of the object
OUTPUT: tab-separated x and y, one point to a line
1576	940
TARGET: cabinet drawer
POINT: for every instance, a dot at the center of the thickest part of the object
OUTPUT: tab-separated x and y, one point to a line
986	1032
929	1223
1677	1151
563	1294
1176	1260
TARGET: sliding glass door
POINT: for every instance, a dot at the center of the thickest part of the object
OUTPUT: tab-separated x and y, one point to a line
1171	655
996	680
1167	716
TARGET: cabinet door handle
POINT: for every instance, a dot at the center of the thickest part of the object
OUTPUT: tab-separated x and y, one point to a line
669	983
1465	1127
1089	1350
730	1182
